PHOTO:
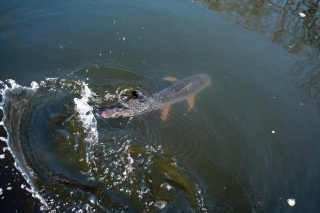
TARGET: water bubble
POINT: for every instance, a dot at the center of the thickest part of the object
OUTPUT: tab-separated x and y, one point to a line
1	191
2	156
166	186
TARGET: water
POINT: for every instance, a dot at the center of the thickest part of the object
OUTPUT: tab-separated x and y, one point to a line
250	143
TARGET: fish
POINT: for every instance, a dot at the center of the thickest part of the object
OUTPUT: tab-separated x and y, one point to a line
138	104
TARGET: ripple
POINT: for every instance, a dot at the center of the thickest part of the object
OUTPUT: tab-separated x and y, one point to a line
75	161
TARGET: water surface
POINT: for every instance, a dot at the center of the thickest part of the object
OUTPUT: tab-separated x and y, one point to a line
249	144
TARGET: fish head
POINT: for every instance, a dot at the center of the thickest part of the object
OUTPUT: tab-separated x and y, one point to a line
115	110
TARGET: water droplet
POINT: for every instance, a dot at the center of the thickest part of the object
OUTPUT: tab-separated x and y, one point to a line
291	202
34	84
302	14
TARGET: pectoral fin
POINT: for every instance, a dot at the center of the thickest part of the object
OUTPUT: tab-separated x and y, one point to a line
190	101
164	113
171	79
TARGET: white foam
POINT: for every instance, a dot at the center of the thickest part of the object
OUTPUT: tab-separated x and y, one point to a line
12	85
34	85
160	204
85	115
109	96
3	139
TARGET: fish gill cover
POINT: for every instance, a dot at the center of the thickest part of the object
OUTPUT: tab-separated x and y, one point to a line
74	162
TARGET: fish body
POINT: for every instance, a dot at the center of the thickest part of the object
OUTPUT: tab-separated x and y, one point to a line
138	104
182	89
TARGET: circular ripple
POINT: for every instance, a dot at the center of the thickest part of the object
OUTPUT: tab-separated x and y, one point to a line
77	161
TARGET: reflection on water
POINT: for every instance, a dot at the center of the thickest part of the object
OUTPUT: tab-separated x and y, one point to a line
305	75
292	24
105	165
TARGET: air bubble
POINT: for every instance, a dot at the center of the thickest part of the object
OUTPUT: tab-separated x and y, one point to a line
166	186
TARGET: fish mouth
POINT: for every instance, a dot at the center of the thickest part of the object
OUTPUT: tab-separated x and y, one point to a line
114	111
105	113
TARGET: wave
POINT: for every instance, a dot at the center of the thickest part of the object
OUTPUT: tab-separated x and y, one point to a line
75	161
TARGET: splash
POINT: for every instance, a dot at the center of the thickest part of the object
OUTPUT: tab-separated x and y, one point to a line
85	115
76	163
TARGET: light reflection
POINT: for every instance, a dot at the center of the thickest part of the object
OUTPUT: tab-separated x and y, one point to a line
294	25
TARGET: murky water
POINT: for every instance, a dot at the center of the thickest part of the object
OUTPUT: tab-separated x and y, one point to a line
249	144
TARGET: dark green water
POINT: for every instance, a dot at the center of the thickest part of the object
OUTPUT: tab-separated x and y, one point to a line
250	143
